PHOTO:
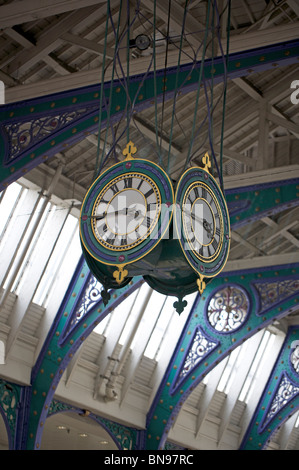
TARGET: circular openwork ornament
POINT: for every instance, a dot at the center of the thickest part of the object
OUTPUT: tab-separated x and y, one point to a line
227	309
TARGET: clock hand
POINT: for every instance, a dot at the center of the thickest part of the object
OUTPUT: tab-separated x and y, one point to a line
98	217
206	225
122	211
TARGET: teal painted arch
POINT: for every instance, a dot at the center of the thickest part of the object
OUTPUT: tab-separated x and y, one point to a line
55	357
56	354
280	399
124	437
170	398
9	406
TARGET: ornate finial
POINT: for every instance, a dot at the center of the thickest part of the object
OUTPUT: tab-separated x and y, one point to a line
180	304
120	274
201	284
129	150
206	161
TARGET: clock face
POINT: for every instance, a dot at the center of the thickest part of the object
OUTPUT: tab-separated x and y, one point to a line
202	222
126	212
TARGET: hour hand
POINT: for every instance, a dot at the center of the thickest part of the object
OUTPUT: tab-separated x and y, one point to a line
99	217
206	225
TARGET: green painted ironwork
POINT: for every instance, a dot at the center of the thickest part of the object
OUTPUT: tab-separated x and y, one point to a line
125	437
56	354
9	403
280	399
252	203
168	402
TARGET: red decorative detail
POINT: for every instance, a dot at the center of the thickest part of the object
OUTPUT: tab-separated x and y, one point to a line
128	165
121	258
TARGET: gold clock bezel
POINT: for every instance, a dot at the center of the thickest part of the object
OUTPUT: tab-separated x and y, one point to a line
150	229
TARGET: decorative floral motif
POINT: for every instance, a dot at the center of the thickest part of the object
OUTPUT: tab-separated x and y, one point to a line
126	437
9	404
24	134
90	297
271	293
201	346
57	407
227	309
286	391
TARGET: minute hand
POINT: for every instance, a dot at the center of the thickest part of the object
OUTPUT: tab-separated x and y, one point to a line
122	211
206	225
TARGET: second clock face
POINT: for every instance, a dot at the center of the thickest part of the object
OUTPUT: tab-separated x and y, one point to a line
126	211
202	220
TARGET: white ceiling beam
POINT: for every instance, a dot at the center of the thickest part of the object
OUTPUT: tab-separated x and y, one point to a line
261	38
283	230
257	95
27	44
294	5
47	42
248	11
30	10
192	28
88	45
91	77
235	236
263	138
151	134
246	86
262	262
177	151
283	122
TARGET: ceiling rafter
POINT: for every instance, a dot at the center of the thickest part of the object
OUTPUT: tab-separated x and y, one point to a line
48	42
28	10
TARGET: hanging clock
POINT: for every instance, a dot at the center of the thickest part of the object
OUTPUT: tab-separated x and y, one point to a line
202	222
125	213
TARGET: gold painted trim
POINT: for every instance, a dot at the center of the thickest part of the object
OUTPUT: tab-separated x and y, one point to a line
129	150
162	234
152	183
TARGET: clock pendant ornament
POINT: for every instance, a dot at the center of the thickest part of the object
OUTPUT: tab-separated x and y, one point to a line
124	215
202	222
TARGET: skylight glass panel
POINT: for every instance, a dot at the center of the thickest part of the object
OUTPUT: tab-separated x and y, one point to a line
257	364
65	247
9	202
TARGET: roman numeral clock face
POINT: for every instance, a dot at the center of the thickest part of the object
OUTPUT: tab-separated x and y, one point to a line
202	223
125	213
